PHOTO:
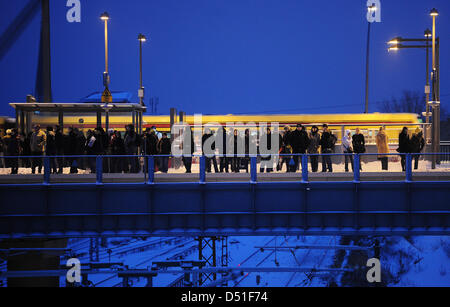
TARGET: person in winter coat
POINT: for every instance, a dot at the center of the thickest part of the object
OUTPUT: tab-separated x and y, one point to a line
59	142
37	143
267	157
50	149
209	156
188	147
313	148
348	149
76	145
299	142
12	149
382	141
117	149
224	161
131	148
286	149
236	160
164	149
417	145
327	142
359	144
25	149
404	146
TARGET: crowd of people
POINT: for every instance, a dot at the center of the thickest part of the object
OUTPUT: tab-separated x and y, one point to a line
233	154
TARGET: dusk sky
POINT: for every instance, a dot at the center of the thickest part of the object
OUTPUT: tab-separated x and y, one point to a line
230	56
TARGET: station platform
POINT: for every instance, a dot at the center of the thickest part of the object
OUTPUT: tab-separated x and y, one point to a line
224	177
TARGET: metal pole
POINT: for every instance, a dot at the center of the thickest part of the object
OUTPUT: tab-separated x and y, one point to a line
427	90
141	99
438	107
46	54
433	54
106	46
367	69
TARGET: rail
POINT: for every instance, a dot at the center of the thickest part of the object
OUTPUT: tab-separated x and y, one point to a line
149	163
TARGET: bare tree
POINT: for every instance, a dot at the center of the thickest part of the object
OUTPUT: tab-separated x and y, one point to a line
409	102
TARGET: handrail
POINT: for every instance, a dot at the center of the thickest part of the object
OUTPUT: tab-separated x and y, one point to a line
150	161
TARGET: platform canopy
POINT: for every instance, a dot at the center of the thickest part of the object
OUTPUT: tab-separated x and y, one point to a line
25	110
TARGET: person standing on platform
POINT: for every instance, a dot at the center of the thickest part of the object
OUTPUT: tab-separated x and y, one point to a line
37	143
50	149
286	150
188	149
313	148
404	146
327	142
117	149
267	159
211	159
417	145
299	143
131	142
224	162
348	149
12	149
236	161
164	150
359	145
382	141
59	142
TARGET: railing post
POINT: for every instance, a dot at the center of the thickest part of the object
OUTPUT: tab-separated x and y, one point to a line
408	167
305	168
356	169
202	169
46	170
99	169
151	169
253	170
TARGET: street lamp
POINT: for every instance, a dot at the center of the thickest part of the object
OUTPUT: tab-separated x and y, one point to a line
395	44
436	95
371	9
142	39
106	96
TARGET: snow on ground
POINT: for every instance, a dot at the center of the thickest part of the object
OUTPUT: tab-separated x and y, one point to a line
406	261
419	261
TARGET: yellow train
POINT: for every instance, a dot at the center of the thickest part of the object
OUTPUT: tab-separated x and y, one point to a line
369	124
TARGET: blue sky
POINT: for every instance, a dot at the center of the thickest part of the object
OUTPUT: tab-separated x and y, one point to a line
230	56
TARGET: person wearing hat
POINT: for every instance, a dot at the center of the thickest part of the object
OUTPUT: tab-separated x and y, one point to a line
417	145
37	143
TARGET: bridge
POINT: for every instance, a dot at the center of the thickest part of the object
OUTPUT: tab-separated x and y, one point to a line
293	206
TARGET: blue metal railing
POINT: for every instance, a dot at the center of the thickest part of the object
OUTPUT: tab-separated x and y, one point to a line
149	170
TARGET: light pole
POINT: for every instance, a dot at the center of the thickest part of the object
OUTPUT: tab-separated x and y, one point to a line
435	96
106	96
142	39
371	9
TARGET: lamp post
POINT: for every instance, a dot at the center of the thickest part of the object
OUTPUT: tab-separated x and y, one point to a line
435	98
371	9
142	39
435	93
106	96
